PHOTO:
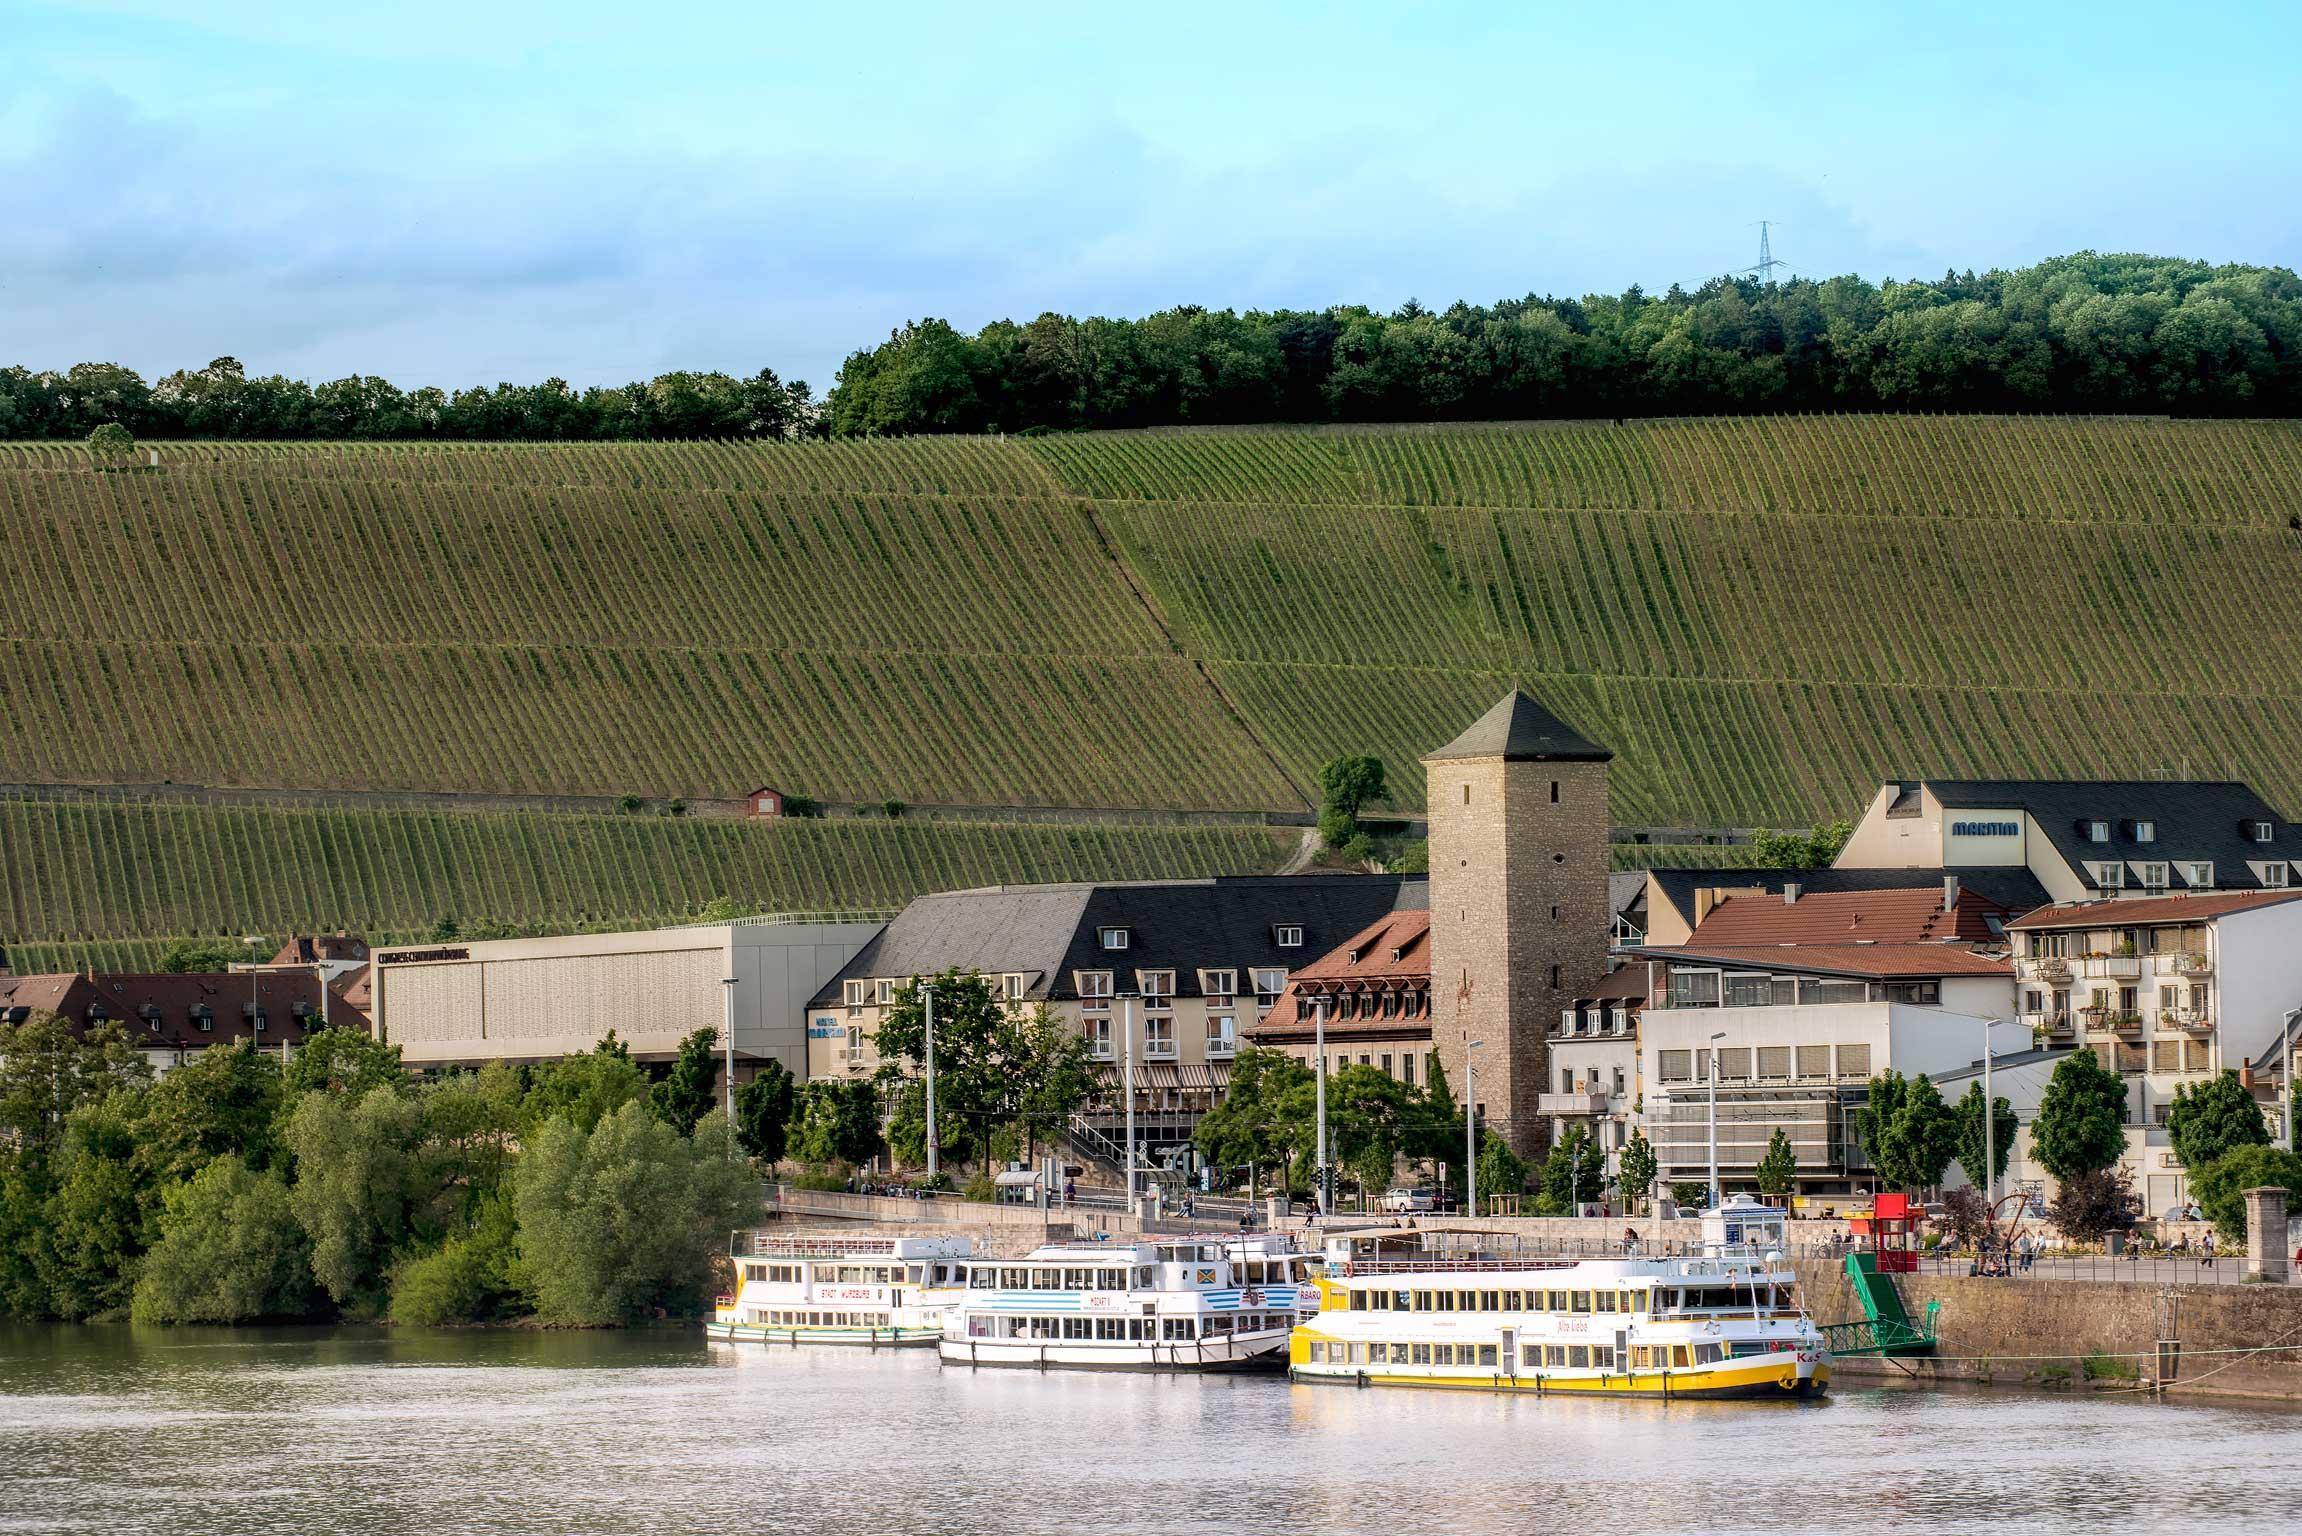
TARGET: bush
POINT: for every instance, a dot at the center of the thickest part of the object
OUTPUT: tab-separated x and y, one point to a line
230	1251
2094	1203
1689	1194
1337	826
630	805
892	809
1358	848
1969	1215
470	1279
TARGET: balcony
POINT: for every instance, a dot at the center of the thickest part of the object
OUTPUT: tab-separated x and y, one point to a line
2054	1026
1226	1048
2197	1021
2111	1021
1590	1102
2051	969
2110	967
2191	964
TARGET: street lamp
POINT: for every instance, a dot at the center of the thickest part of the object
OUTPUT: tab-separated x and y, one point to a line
1127	1085
1716	1036
255	998
2286	1071
1470	1132
1319	1045
927	1005
727	992
1989	1118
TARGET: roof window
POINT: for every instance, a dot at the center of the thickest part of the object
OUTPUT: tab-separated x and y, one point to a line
1288	935
2260	831
2096	831
1111	938
2144	832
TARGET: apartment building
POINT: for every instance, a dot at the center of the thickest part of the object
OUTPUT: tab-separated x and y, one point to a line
1784	1007
1595	1057
2165	991
1374	990
171	1018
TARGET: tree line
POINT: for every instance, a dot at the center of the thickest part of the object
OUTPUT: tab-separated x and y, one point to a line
2087	332
336	1184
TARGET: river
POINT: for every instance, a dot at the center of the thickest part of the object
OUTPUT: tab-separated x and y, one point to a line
241	1432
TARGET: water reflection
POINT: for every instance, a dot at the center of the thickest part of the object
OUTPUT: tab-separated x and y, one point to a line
255	1431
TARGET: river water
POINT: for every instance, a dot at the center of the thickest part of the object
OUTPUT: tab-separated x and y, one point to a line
241	1432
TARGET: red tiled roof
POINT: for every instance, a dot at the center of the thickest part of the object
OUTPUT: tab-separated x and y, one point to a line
2126	912
176	999
310	949
1902	916
1393	953
1875	961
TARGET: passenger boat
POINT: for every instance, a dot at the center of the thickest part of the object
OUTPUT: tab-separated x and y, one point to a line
1723	1324
879	1292
1191	1304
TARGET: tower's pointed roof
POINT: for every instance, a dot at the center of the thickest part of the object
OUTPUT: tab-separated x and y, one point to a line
1518	730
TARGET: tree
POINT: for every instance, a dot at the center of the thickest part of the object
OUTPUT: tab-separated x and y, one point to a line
2004	1128
763	1109
471	1278
1574	1174
48	1069
2081	1118
1253	1125
92	1231
684	1095
2094	1201
111	446
223	1102
583	1087
230	1251
1801	850
1910	1133
1053	1076
1346	786
1369	1114
2216	1117
361	1189
1501	1170
838	1122
349	1062
628	1219
1637	1167
2220	1186
1778	1169
187	957
976	1049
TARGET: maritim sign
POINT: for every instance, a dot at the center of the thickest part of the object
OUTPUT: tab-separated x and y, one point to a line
1982	838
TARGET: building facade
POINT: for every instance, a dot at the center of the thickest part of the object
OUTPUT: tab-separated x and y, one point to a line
466	1003
172	1018
1370	997
1520	915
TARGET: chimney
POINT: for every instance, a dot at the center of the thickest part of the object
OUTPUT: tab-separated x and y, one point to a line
1950	902
1791	890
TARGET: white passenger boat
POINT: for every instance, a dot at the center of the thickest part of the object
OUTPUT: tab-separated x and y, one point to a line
878	1292
1192	1304
1726	1323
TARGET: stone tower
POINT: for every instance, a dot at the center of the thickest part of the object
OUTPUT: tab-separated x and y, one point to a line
1520	921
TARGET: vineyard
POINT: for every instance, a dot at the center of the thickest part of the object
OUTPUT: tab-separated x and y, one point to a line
103	883
1762	616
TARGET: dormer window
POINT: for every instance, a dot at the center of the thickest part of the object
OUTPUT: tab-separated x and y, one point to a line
1288	936
2260	831
1351	957
1111	938
2200	875
150	1014
2144	832
2274	877
205	1017
883	991
2110	877
2098	831
2153	879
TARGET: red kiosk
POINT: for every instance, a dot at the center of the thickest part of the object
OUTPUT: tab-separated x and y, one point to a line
1888	1232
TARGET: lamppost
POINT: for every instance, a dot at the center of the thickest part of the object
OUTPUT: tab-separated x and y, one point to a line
1127	1085
2285	1072
1989	1119
255	998
1326	1189
1716	1036
927	1006
1470	1131
727	993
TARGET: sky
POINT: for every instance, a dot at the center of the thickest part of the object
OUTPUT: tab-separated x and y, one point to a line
461	193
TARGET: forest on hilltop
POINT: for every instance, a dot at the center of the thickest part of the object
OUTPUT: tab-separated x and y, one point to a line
2081	333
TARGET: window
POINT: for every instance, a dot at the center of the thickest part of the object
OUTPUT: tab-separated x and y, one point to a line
2260	831
2110	877
2153	879
2144	832
1693	989
1407	1069
858	993
1012	987
1268	986
1925	994
1813	1062
1159	1036
1555	987
1287	936
1675	1066
1555	801
883	992
2201	877
1854	1061
2098	831
1158	988
1816	989
1774	1063
1095	991
1619	1084
1220	987
1111	938
1222	1035
854	1045
1098	1032
2274	877
1749	991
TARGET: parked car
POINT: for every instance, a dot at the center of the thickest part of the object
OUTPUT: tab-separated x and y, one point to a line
1405	1201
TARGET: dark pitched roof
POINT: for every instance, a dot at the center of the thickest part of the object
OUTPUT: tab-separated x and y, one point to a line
2014	890
2195	821
1519	730
1052	931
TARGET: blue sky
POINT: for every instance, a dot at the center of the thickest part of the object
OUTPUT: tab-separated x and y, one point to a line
499	189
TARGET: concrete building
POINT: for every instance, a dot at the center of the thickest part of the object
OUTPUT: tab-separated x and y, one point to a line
535	999
1520	915
172	1018
2166	992
1785	1008
1595	1057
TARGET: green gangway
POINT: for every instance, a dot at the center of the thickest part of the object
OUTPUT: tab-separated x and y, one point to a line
1886	1329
